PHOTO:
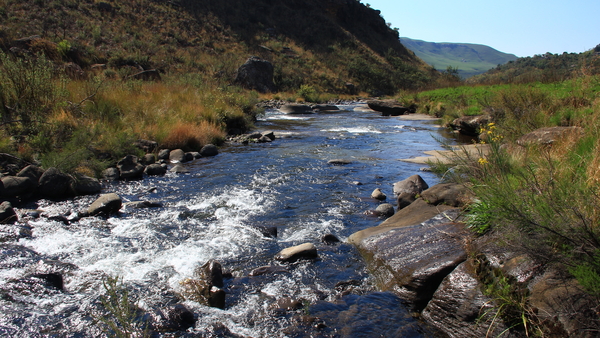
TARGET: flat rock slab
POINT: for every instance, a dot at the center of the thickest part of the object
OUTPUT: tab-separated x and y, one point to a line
449	156
302	251
413	260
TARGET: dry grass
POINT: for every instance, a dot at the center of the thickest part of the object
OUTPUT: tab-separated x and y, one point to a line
192	137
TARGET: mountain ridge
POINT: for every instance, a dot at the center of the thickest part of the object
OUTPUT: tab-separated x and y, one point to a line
469	58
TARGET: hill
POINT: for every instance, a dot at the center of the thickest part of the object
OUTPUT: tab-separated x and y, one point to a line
309	42
469	59
545	68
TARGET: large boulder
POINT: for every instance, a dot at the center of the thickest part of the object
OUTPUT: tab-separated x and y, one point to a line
413	260
130	167
470	125
54	183
388	107
7	213
452	194
177	156
155	169
85	185
296	108
32	171
413	185
209	150
256	74
17	186
105	204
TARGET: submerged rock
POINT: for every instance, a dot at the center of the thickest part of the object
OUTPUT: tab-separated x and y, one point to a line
302	251
385	210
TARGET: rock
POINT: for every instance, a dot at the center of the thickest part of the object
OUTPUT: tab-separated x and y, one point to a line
456	195
302	251
148	159
85	185
111	174
296	108
177	156
405	199
256	74
325	107
212	272
179	169
196	155
130	168
385	210
54	184
163	154
105	204
270	134
413	185
413	260
173	318
209	150
470	125
339	161
378	195
270	269
7	213
267	231
289	304
189	157
264	139
459	308
549	135
142	204
330	239
388	107
155	169
32	171
17	186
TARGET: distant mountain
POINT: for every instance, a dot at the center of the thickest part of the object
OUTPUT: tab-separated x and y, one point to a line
470	59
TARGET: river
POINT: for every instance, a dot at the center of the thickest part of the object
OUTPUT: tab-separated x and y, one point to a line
212	213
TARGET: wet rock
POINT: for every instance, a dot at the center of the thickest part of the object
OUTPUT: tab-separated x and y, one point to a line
270	134
330	239
267	231
189	157
385	210
17	186
378	195
52	280
148	159
302	251
470	125
413	260
295	108
289	304
111	174
325	107
7	213
163	154
264	139
196	155
256	74
265	270
54	184
209	150
173	318
130	168
339	162
456	195
411	186
206	286
388	107
460	309
179	169
105	204
405	199
142	204
33	172
155	169
212	272
85	185
177	156
549	135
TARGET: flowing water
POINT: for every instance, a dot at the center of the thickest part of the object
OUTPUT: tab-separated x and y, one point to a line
215	212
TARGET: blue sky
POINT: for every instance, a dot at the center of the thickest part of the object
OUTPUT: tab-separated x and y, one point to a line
520	27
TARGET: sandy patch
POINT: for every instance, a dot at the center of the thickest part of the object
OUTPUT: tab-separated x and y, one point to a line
447	156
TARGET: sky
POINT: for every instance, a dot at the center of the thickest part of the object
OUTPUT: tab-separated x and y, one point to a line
520	27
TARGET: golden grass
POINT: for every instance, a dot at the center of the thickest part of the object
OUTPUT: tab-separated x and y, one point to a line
192	136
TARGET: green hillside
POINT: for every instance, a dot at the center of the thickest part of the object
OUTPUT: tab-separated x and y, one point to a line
470	59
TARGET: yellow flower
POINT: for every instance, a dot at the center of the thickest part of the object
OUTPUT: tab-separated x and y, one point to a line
482	161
